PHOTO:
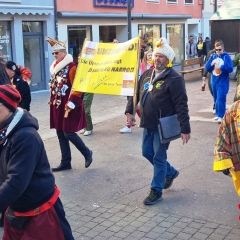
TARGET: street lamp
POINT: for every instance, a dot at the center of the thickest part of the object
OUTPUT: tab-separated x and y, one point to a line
129	19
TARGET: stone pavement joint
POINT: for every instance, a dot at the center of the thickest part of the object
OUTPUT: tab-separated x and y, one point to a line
116	221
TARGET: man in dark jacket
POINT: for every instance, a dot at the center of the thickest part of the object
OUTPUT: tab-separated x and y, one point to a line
206	46
158	89
67	113
27	185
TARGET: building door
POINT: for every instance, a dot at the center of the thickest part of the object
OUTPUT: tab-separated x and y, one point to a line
34	58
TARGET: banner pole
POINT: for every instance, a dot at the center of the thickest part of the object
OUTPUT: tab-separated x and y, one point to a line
137	74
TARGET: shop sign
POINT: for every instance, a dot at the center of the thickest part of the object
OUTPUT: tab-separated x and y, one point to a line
112	3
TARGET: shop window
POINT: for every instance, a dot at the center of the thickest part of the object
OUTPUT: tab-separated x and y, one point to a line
188	1
175	33
5	41
33	27
76	38
172	1
107	33
150	35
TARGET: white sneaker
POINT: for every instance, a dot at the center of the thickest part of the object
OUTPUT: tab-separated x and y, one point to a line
87	133
219	120
125	130
216	118
214	111
82	131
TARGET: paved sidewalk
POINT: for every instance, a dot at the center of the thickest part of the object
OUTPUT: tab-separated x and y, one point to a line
115	222
105	201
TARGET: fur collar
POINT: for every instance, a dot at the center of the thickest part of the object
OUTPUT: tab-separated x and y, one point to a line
54	70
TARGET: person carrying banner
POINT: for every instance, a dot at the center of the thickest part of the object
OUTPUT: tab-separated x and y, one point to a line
87	99
145	64
27	185
164	86
67	114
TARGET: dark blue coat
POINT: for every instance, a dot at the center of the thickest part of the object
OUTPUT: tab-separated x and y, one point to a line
26	181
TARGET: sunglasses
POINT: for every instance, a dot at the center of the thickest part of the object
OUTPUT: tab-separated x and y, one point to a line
218	49
55	53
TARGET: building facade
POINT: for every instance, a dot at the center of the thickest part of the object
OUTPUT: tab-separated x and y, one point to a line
225	25
104	20
23	27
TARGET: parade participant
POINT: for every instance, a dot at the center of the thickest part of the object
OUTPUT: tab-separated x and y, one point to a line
220	65
87	100
22	86
205	73
67	114
4	79
27	186
227	147
25	73
236	63
146	62
115	40
166	88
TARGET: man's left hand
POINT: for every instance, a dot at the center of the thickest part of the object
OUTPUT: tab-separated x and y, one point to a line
185	137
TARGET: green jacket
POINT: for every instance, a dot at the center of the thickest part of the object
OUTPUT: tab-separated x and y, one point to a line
236	61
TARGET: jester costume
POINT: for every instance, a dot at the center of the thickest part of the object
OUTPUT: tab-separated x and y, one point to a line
236	63
227	147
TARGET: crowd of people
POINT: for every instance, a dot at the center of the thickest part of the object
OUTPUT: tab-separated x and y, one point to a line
29	197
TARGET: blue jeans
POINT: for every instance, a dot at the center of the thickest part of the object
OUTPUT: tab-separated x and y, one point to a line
156	154
64	138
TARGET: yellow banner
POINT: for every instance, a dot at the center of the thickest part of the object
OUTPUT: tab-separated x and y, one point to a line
107	68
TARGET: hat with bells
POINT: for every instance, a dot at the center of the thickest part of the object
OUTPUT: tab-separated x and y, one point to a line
56	45
162	47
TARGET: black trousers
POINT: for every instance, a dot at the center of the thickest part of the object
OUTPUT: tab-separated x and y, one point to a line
64	139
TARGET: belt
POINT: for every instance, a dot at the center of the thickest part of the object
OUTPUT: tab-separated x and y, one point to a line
43	207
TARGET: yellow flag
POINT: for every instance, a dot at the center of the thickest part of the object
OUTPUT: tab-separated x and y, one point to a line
108	68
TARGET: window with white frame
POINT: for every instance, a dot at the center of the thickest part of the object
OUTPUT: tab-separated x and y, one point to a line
189	1
152	1
172	1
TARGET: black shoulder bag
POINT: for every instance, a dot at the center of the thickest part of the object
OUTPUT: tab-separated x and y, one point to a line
168	127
